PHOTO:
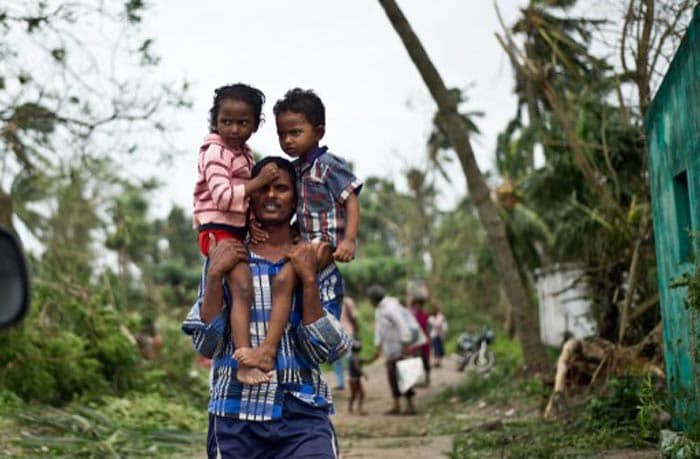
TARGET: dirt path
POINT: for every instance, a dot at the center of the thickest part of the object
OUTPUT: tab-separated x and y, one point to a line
376	435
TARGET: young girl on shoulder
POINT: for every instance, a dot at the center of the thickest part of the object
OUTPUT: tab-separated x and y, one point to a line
222	192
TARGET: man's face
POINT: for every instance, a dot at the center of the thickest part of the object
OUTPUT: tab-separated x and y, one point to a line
275	203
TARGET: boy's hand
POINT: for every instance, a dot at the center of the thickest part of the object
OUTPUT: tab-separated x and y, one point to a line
257	234
223	256
345	251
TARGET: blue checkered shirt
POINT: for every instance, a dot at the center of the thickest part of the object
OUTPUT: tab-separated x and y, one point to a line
301	350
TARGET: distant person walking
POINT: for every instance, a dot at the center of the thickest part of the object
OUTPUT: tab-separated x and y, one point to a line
437	327
392	338
418	311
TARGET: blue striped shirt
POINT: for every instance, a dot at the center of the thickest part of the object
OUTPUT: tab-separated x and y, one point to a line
301	350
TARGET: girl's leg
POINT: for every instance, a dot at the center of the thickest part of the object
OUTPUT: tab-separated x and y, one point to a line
241	286
263	356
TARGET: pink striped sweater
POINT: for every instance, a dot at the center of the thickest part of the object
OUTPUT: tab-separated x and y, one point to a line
219	195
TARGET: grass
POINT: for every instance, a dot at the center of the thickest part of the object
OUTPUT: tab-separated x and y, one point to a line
165	416
498	415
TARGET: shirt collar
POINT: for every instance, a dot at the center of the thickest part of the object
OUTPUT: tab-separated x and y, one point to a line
314	154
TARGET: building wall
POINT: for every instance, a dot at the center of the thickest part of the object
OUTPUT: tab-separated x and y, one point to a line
673	131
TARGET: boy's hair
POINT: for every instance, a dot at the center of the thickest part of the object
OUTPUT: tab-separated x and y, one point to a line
305	102
283	164
239	91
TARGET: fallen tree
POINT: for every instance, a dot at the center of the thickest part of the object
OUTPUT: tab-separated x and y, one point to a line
590	361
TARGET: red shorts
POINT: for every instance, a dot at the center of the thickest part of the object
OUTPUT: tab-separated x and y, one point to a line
219	234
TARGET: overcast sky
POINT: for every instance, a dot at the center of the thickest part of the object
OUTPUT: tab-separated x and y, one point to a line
378	109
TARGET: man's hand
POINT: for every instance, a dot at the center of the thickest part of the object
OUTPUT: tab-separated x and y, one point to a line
345	251
407	350
223	256
304	261
257	234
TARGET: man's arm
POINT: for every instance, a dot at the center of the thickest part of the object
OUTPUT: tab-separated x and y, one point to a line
206	337
207	319
320	334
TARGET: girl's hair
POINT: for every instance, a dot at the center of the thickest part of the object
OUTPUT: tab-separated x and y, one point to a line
239	91
305	102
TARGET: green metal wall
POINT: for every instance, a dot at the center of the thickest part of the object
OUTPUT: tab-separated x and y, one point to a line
673	132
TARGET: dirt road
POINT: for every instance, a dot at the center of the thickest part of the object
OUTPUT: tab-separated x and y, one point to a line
376	435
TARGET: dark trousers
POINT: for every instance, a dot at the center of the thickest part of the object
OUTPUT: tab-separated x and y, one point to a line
392	376
303	431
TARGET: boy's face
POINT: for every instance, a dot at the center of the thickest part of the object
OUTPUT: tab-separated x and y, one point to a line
296	134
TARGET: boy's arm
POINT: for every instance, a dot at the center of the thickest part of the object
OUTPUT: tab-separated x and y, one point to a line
346	248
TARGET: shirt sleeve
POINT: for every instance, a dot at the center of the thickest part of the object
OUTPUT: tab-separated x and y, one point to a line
216	168
206	338
377	331
324	340
341	181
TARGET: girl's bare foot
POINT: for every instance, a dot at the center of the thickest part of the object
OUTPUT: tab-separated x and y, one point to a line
252	376
262	357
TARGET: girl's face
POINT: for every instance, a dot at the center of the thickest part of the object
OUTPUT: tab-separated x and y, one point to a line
235	122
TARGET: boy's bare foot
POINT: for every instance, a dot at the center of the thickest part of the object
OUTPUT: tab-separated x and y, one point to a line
262	357
252	376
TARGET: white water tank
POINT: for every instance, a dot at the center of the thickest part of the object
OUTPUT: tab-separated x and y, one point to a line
564	303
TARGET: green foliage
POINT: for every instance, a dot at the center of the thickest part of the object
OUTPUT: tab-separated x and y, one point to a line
148	425
390	272
617	407
649	408
66	347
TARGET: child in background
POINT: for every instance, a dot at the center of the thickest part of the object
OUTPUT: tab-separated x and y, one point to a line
223	187
437	324
328	213
355	373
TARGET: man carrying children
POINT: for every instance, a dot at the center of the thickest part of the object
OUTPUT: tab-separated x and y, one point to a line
287	413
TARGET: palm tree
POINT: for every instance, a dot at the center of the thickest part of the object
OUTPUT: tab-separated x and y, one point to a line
525	318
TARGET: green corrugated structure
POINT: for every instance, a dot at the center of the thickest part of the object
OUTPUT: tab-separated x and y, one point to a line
673	132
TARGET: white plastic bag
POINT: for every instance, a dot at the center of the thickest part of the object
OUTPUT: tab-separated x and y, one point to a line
409	372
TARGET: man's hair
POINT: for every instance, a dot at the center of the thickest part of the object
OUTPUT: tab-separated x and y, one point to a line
241	92
305	102
375	293
283	164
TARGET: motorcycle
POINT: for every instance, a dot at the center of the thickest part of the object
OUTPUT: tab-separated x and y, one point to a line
473	353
